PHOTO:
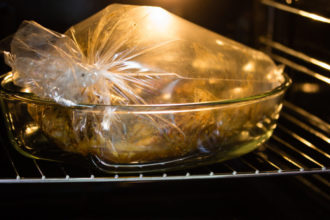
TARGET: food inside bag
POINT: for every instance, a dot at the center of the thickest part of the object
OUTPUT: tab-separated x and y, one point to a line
133	56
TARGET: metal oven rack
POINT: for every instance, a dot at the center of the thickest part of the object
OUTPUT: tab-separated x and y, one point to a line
300	144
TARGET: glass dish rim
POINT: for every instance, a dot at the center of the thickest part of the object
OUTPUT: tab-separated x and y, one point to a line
28	97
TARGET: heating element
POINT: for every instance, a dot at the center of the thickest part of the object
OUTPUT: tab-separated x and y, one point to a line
299	145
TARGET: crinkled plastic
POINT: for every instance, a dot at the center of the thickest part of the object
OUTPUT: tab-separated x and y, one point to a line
133	55
136	55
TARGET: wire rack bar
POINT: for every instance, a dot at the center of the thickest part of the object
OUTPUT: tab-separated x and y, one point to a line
293	161
286	144
11	163
296	11
38	168
294	53
306	127
302	140
310	118
300	68
117	178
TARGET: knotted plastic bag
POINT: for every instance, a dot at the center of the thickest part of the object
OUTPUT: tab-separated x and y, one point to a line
137	55
133	55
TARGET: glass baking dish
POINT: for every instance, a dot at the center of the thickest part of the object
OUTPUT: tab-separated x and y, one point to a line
204	132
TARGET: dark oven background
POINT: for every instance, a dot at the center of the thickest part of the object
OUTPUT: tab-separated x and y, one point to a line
243	198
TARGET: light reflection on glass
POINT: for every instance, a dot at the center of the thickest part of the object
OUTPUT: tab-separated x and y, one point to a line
237	90
249	67
26	90
8	78
167	96
31	129
219	42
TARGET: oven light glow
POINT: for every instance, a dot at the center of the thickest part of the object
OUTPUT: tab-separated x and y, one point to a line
167	96
159	17
310	87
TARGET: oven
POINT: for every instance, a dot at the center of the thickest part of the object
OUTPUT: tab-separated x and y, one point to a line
287	177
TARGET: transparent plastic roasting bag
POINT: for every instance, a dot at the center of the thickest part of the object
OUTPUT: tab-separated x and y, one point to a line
135	57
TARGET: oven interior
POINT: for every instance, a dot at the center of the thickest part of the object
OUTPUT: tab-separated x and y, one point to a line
287	176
